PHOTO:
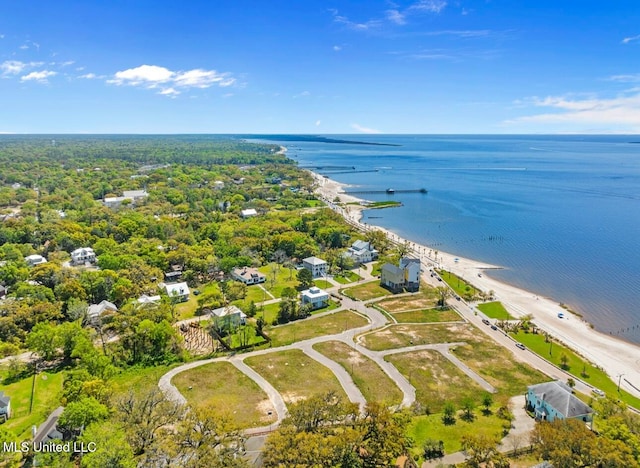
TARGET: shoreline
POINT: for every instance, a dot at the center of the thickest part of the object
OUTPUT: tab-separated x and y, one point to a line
616	357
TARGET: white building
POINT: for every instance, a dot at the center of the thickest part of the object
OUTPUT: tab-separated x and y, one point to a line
33	260
5	406
361	252
145	299
316	266
249	213
315	296
405	276
180	291
228	317
82	256
133	196
97	310
248	276
218	185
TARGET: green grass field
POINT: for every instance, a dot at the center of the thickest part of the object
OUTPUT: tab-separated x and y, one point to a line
347	277
427	316
312	327
224	389
575	365
284	278
366	291
322	284
495	310
374	384
138	379
460	286
46	398
295	375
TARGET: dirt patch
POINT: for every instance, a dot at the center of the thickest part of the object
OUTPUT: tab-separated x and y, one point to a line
265	407
293	397
404	304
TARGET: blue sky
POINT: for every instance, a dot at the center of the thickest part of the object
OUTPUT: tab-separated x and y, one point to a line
320	66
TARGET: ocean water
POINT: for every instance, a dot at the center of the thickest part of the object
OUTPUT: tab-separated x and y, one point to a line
561	214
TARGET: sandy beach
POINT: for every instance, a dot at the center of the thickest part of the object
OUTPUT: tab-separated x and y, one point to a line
616	357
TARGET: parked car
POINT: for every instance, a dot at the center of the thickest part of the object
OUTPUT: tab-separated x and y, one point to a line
486	322
520	345
493	327
597	391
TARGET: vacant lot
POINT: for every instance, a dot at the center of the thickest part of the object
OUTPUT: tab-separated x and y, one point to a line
295	375
427	316
374	384
424	299
367	291
223	388
312	327
399	336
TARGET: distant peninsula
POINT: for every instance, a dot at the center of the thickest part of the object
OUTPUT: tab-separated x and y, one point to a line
314	139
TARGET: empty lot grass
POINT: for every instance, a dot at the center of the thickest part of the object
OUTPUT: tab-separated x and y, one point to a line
223	388
295	375
347	277
322	284
424	299
576	365
278	278
399	336
427	316
374	384
436	379
495	310
312	327
46	398
422	428
367	291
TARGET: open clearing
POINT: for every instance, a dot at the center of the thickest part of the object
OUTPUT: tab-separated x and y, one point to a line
367	291
426	298
427	316
312	327
295	375
224	389
400	336
374	384
495	310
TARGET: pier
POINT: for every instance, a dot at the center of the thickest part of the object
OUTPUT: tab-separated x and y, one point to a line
389	191
353	172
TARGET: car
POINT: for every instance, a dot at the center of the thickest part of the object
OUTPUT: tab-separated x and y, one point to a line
457	298
493	327
520	345
560	315
486	322
597	391
196	292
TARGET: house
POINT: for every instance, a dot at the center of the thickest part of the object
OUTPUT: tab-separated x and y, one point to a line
48	430
33	260
173	275
555	400
3	291
94	311
405	276
316	266
179	291
315	296
82	256
218	185
5	406
145	299
361	252
249	213
248	276
228	317
133	196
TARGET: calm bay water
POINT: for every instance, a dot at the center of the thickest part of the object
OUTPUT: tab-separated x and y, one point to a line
561	214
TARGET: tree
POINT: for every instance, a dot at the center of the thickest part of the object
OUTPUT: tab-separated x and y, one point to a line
111	444
449	414
487	401
305	277
564	361
443	294
482	451
433	449
79	414
468	405
43	340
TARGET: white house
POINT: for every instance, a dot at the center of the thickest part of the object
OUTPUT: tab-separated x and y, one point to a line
180	291
405	276
94	311
315	296
218	185
33	260
362	252
249	213
555	400
248	276
316	266
227	317
5	406
132	195
83	255
145	299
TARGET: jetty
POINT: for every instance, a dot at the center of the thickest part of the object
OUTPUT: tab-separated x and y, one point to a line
389	191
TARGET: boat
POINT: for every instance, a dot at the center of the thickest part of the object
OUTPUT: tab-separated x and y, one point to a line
390	190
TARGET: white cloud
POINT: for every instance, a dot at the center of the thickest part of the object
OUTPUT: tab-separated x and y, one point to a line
12	67
619	112
627	40
24	47
153	76
318	122
88	76
39	76
337	48
626	78
302	94
396	17
362	129
1	36
430	6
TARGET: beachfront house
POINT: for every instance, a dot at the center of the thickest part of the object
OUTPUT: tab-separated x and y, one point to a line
33	260
315	297
316	266
248	276
361	252
5	406
555	400
227	318
405	276
83	255
178	291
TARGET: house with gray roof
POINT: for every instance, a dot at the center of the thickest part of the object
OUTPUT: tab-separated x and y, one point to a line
405	276
5	406
95	311
555	400
361	252
316	266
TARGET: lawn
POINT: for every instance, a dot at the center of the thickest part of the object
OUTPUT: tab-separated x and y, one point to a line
366	291
46	398
495	310
322	284
224	389
436	379
424	299
427	316
347	277
422	428
185	310
460	286
295	375
374	384
268	312
399	336
284	278
576	365
138	379
312	327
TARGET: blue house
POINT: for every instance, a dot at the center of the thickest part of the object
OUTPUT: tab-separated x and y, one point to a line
555	400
